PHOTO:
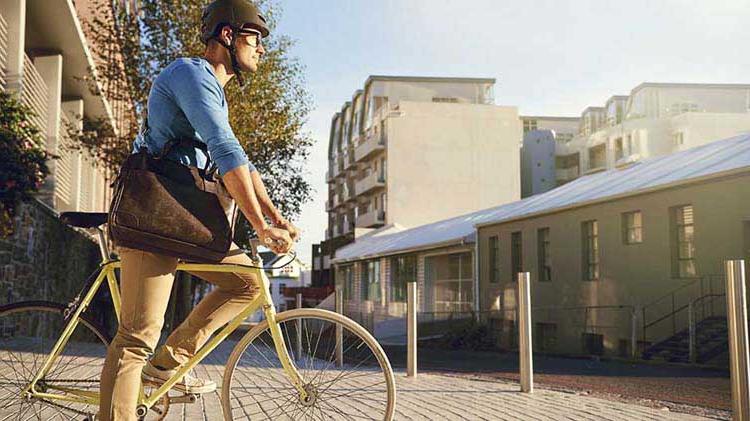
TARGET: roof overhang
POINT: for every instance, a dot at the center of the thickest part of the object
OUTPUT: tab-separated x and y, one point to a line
54	26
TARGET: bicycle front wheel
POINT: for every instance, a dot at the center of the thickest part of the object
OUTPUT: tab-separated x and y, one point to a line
344	371
28	333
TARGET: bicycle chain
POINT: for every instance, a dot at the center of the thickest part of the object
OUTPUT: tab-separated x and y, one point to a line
79	412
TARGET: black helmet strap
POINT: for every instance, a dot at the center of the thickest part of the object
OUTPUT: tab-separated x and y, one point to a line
232	47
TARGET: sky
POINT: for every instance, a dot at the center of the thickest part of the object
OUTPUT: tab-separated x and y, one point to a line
552	57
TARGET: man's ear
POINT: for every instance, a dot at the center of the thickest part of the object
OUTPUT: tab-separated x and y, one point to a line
226	34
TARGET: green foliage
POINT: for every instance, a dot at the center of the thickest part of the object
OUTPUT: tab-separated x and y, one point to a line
24	158
267	115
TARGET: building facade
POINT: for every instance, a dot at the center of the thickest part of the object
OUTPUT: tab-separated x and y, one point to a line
407	151
656	119
43	53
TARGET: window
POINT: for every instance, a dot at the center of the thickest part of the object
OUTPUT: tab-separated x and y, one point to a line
347	276
445	99
590	243
282	287
632	227
403	270
683	242
516	254
598	156
494	248
545	336
449	285
619	149
593	343
679	138
370	276
545	266
529	125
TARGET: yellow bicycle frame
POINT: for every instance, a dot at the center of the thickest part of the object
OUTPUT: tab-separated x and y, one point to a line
264	301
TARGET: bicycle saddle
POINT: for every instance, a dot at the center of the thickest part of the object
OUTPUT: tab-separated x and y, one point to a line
84	219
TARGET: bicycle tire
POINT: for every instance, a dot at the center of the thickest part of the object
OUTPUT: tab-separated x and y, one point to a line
22	352
361	374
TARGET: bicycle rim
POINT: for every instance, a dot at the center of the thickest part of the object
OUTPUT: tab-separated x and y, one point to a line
28	332
359	386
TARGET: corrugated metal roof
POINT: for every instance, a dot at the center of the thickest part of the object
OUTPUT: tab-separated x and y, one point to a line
702	161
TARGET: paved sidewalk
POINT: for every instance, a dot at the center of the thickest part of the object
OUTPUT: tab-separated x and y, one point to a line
444	397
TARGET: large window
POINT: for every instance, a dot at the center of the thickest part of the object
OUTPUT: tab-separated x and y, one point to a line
684	242
632	227
590	243
370	276
494	249
545	266
516	254
347	281
403	270
449	282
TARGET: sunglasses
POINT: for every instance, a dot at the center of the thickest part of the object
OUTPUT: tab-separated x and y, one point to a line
258	37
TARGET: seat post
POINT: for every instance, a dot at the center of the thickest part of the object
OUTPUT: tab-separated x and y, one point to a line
103	248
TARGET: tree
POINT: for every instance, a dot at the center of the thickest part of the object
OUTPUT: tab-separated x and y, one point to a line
267	116
24	158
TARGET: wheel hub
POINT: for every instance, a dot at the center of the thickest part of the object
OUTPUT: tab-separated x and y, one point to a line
312	395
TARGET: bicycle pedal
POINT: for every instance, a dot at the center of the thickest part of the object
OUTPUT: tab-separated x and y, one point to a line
185	398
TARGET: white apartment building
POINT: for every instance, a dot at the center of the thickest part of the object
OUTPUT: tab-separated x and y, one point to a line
43	50
540	137
655	119
407	151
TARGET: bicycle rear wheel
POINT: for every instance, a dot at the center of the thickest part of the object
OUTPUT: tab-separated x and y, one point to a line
358	385
28	331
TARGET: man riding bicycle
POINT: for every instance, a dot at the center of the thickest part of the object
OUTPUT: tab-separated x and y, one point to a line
187	101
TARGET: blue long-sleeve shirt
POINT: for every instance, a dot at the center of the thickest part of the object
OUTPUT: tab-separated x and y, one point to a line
187	101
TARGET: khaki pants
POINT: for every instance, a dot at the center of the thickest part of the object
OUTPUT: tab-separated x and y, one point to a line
146	284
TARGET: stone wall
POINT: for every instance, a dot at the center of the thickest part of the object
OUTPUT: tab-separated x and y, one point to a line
46	259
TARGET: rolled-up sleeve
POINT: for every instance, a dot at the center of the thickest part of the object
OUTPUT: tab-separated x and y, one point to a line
199	96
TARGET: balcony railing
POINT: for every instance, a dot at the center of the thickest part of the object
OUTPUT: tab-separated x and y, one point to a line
64	181
370	183
371	219
567	174
350	161
34	93
3	52
372	144
351	193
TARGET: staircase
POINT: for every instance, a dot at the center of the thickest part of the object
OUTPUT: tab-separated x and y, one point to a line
711	341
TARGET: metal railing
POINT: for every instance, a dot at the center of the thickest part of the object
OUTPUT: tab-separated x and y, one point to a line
676	302
65	164
34	93
3	52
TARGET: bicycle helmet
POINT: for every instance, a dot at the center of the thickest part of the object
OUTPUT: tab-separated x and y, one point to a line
237	14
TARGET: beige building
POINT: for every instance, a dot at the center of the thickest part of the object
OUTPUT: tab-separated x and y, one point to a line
406	151
43	50
656	119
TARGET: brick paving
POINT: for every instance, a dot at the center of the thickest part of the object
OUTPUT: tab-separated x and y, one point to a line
446	397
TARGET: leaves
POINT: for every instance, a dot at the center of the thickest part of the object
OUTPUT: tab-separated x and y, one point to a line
24	158
267	116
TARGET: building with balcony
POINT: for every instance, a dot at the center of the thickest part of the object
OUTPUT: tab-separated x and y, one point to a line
406	151
44	54
655	119
540	137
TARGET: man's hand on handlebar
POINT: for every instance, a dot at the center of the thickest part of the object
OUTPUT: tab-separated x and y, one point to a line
277	239
293	231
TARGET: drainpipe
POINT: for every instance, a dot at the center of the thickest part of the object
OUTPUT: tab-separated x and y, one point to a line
476	275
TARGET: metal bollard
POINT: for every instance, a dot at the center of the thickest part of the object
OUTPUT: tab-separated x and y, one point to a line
411	329
524	333
299	327
339	330
739	359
